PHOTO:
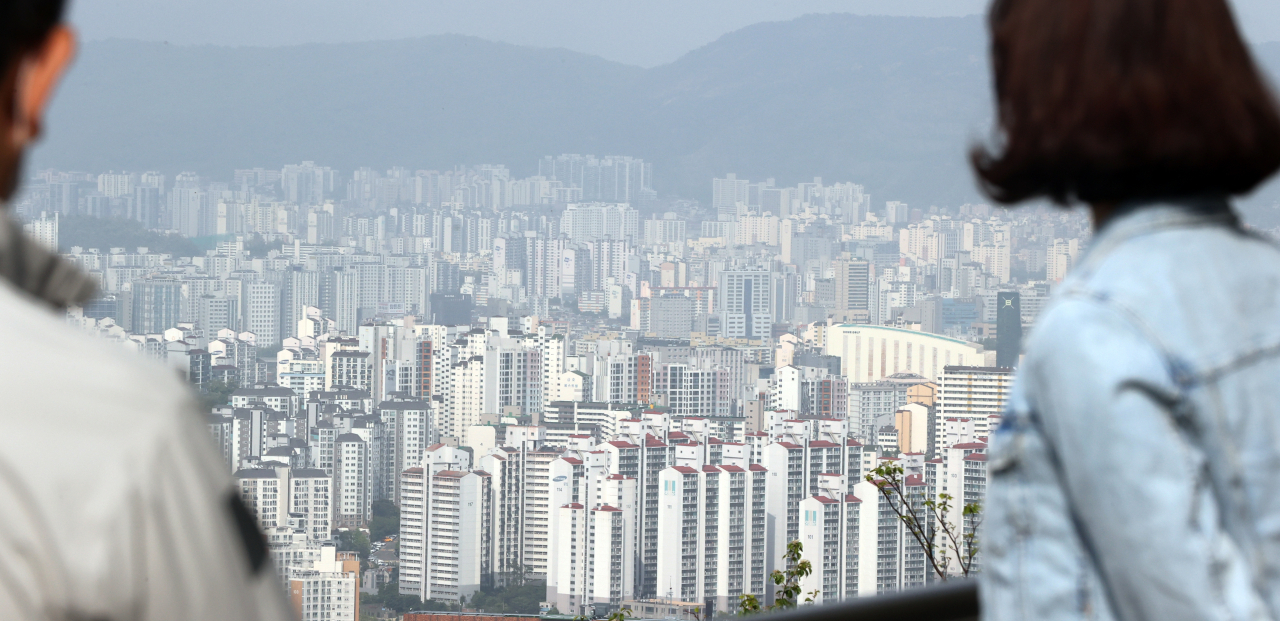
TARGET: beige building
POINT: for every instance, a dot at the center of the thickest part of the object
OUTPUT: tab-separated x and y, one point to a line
977	393
870	353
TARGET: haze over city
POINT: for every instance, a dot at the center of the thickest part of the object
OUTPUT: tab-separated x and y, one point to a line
565	308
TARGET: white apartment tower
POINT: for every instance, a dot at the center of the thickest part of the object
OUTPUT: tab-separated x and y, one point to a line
977	393
261	492
889	558
327	589
351	480
829	532
407	424
642	457
521	475
446	536
459	543
413	530
280	497
595	557
711	530
311	498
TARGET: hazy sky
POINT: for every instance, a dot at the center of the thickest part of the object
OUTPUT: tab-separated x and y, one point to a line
639	32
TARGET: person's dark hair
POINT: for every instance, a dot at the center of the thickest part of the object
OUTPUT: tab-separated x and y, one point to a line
24	24
1110	100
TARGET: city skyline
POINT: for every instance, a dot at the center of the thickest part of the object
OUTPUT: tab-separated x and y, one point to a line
666	311
569	353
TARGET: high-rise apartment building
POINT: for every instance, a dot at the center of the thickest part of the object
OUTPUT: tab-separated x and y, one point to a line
726	194
458	538
44	230
260	306
326	588
711	534
594	561
978	393
351	482
829	531
156	305
744	305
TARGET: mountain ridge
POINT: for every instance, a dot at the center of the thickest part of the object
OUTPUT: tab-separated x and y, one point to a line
892	103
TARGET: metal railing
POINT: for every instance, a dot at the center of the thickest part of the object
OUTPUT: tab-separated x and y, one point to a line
955	600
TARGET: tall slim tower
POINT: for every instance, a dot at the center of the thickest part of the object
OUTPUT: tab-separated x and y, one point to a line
1008	328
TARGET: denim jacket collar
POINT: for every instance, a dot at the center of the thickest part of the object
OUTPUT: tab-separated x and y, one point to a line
1135	218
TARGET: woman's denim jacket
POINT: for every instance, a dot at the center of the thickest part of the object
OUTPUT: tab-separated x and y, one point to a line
1136	474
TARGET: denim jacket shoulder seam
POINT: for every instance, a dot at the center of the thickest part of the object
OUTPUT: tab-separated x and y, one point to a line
1181	373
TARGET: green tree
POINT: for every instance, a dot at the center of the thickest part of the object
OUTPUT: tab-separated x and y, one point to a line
622	614
386	520
787	581
259	247
218	393
106	233
525	598
390	597
926	519
354	541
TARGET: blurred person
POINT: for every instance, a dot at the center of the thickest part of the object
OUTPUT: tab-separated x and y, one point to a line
1135	473
113	504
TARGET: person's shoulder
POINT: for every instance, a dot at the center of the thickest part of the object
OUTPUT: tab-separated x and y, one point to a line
1082	336
54	366
1065	316
1161	262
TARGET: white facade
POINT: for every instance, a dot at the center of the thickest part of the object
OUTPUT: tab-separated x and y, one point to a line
871	353
459	545
595	560
351	481
327	589
745	305
413	530
265	494
829	531
977	393
711	527
311	498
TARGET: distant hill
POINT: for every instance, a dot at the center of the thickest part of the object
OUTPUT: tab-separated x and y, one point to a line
889	102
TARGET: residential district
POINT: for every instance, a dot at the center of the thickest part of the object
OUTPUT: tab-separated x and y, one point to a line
638	400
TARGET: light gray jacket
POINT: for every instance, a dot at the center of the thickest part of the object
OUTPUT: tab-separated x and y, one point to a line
113	503
39	272
1136	474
